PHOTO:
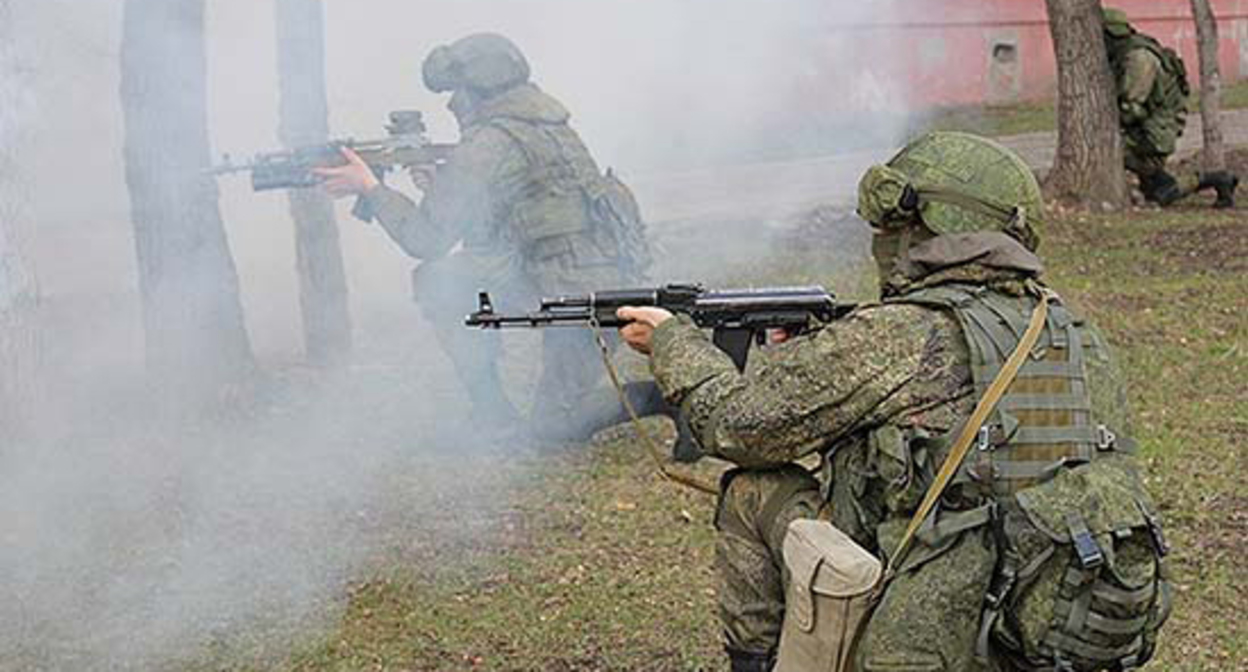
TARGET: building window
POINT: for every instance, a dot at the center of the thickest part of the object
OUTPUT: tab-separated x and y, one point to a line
1005	53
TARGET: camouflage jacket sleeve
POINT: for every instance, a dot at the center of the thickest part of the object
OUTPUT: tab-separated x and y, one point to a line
856	373
459	203
1140	69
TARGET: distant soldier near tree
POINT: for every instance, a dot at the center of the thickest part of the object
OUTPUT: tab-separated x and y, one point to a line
520	205
1152	105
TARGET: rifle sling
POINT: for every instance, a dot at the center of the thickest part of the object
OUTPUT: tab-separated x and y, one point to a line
967	435
647	439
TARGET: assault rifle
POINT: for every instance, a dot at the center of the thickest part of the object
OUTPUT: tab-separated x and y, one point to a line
406	145
737	317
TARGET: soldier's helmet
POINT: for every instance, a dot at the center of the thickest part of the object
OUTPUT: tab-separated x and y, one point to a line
485	62
1115	22
952	182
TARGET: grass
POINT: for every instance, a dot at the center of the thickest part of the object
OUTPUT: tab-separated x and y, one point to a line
602	566
1234	96
1037	116
992	120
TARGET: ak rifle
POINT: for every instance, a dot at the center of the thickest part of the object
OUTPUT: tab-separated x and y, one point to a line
737	317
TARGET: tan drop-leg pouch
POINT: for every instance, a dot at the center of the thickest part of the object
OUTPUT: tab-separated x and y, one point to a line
828	597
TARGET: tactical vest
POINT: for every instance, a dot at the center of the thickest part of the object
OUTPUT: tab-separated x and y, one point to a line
1170	92
1045	420
1078	541
566	207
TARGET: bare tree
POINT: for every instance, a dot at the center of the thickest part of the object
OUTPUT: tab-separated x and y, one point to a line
19	296
1088	166
305	121
192	314
1214	153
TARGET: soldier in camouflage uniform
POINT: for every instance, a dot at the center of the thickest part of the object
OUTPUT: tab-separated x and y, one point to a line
1044	553
1152	107
535	218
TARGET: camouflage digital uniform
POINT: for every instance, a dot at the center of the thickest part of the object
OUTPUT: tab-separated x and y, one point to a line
872	394
516	192
1152	110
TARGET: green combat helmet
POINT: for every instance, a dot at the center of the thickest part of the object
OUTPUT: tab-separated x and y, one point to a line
1115	22
954	183
484	62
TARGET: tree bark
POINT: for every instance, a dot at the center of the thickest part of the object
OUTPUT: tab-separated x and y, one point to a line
19	296
1213	156
304	113
196	340
1088	167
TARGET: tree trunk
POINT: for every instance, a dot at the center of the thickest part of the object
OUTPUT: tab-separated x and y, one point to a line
19	296
304	111
196	340
1088	167
1214	154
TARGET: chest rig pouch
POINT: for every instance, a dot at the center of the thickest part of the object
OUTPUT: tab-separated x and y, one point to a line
1079	583
827	600
554	217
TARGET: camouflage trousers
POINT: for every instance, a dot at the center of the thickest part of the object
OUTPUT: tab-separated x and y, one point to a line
928	619
572	398
1149	165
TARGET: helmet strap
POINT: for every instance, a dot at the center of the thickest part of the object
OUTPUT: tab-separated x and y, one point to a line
1007	215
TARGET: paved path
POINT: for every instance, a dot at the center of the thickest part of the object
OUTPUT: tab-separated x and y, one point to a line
1038	148
726	214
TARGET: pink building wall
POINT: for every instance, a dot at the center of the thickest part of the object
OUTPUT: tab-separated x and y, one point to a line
949	52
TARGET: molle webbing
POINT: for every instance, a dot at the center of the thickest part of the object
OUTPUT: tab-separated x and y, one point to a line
1044	421
1096	622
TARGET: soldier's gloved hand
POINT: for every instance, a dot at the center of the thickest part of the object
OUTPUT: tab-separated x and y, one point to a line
640	329
353	179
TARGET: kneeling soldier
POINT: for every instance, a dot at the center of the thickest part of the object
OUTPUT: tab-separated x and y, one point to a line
1037	548
1152	111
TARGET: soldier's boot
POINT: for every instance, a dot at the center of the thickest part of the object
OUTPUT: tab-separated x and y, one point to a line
1161	188
750	661
1223	183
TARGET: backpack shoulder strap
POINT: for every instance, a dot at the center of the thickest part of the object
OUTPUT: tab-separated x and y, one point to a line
957	453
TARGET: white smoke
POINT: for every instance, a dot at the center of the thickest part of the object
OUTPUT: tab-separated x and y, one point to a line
126	542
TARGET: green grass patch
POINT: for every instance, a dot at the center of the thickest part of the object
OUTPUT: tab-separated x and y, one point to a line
1234	95
993	120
